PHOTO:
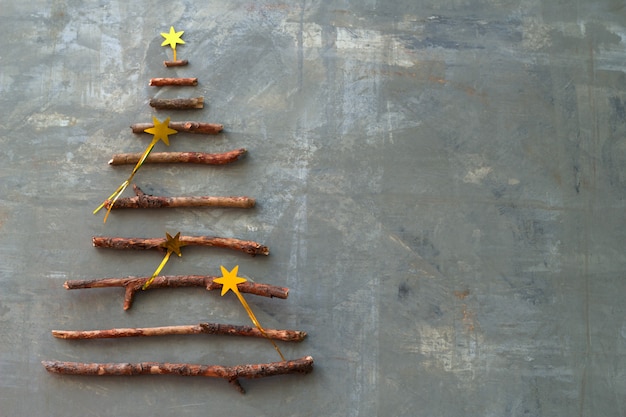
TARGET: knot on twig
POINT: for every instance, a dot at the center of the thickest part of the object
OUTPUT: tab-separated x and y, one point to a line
209	328
235	383
146	200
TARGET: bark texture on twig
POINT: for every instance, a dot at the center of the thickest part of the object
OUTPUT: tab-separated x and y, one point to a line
160	82
179	158
177	103
201	328
177	63
247	246
231	374
132	285
143	200
190	127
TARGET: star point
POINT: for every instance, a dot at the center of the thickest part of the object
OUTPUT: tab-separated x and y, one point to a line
229	280
161	130
172	38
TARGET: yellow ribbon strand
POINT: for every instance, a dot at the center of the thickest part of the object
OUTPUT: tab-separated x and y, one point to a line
172	245
113	198
158	270
229	281
256	322
120	189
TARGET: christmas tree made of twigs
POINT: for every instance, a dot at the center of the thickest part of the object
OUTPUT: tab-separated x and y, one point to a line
161	130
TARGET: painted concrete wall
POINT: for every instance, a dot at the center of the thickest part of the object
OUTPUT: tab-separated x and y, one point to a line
441	184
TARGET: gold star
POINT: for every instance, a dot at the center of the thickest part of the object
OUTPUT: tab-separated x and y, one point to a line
172	38
161	130
230	280
172	244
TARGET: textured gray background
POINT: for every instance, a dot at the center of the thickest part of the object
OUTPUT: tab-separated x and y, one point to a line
442	185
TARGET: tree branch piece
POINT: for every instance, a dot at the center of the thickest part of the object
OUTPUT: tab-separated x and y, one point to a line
231	374
178	63
132	285
143	200
179	157
202	328
247	246
190	127
160	82
177	103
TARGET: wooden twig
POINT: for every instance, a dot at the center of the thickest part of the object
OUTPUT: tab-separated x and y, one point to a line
201	328
179	158
177	103
189	127
231	374
246	246
178	63
143	200
132	285
160	82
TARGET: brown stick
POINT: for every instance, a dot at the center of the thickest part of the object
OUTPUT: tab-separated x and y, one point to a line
303	365
179	63
246	246
160	82
132	285
177	103
179	158
189	127
143	200
202	328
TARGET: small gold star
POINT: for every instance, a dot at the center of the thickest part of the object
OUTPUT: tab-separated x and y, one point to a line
230	280
172	38
161	130
172	244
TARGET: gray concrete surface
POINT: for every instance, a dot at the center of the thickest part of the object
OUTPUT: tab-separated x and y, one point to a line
442	184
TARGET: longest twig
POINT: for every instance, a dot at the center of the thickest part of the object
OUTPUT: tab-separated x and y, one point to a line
190	127
179	157
231	374
246	246
143	200
133	284
201	328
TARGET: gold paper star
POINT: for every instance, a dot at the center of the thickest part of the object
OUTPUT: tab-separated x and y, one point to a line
172	38
160	132
229	282
172	244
